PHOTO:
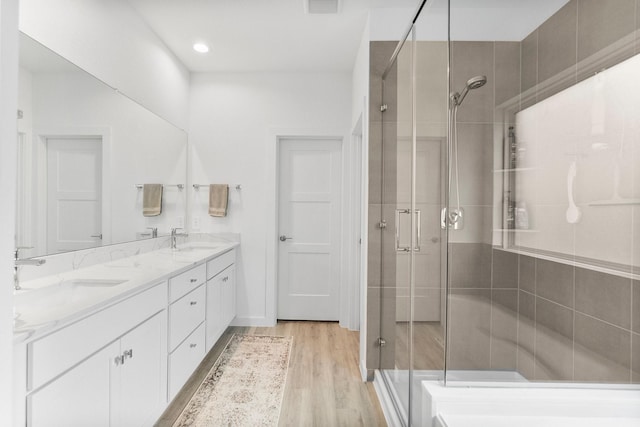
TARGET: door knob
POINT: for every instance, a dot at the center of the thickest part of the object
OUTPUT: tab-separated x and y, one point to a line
284	238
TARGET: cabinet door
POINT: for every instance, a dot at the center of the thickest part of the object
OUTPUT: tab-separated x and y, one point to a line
78	398
138	390
228	295
214	311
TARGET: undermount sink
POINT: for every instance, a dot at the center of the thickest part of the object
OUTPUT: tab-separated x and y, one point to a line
61	294
96	283
194	248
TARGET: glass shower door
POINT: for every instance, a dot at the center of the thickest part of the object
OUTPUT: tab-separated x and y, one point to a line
414	136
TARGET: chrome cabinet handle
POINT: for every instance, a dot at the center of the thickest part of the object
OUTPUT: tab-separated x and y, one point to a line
284	238
224	279
127	354
118	360
98	236
193	280
193	302
193	345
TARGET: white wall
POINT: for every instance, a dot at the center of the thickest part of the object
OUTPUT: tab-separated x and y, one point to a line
390	23
8	107
360	112
110	40
232	122
360	78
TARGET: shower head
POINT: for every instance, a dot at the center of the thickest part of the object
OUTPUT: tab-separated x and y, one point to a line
473	83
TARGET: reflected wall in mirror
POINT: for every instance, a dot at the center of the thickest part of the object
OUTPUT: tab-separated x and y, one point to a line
83	150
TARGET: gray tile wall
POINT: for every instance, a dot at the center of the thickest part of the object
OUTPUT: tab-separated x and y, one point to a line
575	324
581	39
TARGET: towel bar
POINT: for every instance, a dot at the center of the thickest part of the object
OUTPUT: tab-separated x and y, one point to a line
180	186
197	186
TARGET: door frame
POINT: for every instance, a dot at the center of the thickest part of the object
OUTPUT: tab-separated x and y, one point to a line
275	136
40	150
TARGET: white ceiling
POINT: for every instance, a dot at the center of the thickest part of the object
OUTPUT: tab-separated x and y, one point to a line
264	35
276	35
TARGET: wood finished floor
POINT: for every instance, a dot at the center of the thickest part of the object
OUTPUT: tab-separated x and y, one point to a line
428	346
324	387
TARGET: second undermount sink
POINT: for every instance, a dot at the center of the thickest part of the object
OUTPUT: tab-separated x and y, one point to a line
196	248
96	283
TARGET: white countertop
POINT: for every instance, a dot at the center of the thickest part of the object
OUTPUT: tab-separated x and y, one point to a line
50	302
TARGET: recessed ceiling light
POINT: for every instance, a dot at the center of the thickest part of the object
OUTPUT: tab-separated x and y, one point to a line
200	47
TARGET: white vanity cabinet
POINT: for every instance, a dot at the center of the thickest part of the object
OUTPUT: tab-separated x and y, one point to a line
186	325
74	379
121	363
221	296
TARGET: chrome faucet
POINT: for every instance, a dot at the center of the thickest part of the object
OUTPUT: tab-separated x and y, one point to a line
175	234
154	231
17	262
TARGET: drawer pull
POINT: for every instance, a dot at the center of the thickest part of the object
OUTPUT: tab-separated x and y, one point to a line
193	345
193	302
193	280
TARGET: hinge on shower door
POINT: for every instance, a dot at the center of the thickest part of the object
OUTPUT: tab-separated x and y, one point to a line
383	108
381	342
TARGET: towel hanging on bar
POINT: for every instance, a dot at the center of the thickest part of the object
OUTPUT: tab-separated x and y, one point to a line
218	199
152	199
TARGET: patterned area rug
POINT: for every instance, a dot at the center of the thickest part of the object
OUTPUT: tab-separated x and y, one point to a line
244	387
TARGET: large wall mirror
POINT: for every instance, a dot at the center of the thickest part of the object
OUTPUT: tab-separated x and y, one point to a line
84	152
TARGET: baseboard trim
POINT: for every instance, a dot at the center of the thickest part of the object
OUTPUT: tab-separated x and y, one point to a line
252	321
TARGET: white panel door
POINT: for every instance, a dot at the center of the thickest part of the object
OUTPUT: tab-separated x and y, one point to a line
310	181
74	193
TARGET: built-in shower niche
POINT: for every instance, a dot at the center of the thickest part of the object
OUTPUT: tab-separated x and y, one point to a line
567	173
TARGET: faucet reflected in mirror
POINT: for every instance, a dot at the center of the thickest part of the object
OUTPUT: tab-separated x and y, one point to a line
175	234
153	233
17	263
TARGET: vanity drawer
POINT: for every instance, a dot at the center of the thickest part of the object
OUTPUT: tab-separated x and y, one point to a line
221	262
50	356
185	315
187	281
185	359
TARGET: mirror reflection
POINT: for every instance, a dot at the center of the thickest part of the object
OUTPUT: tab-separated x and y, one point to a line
85	152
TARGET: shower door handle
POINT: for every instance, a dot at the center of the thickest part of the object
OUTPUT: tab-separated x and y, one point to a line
418	230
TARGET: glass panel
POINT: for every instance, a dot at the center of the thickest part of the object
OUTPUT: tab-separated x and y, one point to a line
397	136
545	261
428	291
